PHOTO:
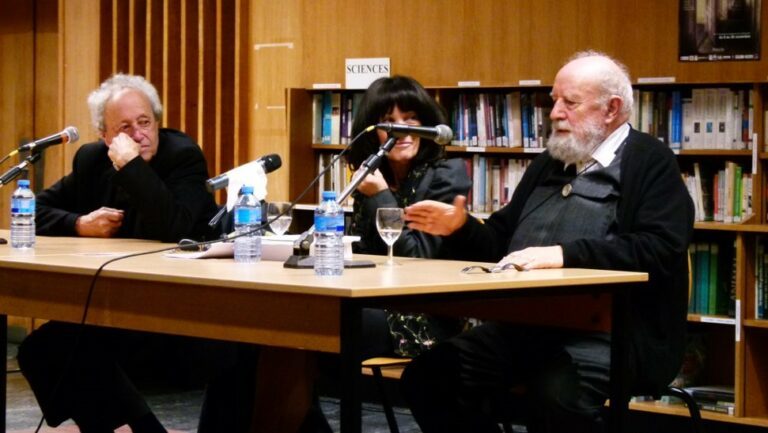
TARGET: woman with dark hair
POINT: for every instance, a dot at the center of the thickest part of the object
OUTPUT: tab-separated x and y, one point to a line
415	169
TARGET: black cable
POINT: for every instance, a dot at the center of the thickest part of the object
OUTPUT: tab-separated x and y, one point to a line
87	305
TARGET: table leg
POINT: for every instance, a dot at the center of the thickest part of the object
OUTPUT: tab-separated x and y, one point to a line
351	412
4	378
619	392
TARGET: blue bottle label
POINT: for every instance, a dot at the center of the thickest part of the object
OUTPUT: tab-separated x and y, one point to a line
245	215
327	223
22	205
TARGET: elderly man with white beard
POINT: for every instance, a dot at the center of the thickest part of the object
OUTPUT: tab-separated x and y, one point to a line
604	196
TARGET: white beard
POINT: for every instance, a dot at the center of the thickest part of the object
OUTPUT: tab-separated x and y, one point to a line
578	145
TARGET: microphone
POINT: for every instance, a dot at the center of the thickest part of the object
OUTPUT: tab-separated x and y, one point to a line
440	134
269	163
68	135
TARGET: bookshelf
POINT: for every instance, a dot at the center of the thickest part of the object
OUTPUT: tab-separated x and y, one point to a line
736	338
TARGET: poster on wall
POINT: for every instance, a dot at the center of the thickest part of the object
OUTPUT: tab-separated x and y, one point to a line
715	30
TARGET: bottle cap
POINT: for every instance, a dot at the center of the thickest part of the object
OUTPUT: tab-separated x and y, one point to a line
246	189
23	183
329	195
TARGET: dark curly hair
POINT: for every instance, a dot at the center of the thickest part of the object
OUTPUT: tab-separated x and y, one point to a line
382	96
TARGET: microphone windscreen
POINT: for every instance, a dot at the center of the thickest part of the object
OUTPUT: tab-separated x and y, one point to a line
72	134
444	134
271	162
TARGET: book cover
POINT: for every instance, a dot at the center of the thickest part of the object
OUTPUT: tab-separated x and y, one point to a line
327	114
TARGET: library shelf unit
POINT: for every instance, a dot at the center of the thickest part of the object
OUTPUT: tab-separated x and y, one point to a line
736	341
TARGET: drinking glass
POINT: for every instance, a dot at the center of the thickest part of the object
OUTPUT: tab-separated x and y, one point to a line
281	224
389	223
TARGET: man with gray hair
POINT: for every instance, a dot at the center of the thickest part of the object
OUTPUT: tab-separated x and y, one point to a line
604	196
137	181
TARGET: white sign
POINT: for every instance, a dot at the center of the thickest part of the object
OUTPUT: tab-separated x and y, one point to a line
362	72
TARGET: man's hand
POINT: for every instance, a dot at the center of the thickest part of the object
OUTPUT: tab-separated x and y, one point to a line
437	218
373	184
122	150
101	223
535	257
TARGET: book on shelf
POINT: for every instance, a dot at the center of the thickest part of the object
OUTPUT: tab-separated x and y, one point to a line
761	275
711	270
327	118
317	118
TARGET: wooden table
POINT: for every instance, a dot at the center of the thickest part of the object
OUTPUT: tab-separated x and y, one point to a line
265	303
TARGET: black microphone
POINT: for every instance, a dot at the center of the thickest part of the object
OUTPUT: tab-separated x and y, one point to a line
440	134
68	135
269	163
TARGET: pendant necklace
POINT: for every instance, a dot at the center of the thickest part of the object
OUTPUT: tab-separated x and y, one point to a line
567	188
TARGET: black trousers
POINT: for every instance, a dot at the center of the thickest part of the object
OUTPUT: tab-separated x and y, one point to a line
85	373
549	380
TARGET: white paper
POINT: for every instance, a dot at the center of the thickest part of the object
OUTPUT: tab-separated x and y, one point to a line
277	248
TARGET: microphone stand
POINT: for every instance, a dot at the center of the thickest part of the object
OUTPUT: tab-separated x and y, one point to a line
17	169
15	172
301	258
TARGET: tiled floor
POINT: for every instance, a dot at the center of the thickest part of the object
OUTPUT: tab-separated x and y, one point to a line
177	410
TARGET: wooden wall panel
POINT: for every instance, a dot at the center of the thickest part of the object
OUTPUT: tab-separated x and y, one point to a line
499	42
172	70
48	90
16	86
208	85
275	52
137	42
121	47
154	44
187	50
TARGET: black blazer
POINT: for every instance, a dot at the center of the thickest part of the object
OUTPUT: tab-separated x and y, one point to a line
164	199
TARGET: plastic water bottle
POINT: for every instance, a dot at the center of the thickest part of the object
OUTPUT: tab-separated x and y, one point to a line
329	236
23	216
247	219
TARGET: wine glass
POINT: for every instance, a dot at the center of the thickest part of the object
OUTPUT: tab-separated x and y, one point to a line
389	223
280	225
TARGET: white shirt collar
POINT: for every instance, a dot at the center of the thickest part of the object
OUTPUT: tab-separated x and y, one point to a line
606	151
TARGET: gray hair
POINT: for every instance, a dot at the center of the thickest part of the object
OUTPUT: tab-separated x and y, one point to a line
613	81
98	99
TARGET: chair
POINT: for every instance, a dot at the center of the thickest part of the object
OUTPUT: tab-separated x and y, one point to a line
391	368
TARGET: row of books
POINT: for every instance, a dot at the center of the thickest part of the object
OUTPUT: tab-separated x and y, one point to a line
332	115
713	274
494	180
761	279
723	195
512	119
700	118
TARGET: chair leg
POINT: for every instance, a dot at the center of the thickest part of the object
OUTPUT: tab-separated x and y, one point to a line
693	408
388	412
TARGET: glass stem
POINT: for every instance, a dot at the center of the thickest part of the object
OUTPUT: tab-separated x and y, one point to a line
390	260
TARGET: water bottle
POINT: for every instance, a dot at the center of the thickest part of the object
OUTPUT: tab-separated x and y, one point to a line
247	219
23	216
329	236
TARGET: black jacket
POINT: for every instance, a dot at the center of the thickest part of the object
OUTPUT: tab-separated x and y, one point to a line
164	199
655	216
442	181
